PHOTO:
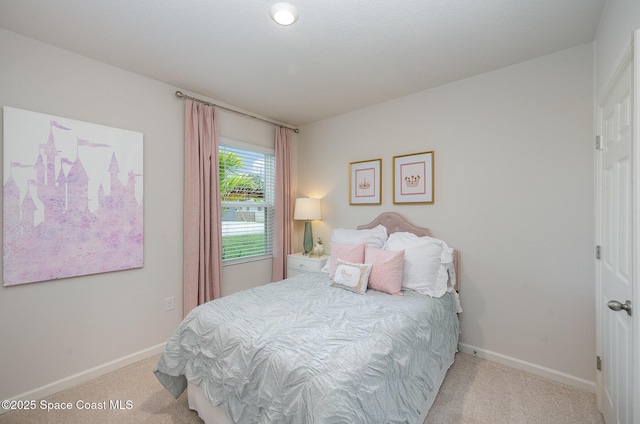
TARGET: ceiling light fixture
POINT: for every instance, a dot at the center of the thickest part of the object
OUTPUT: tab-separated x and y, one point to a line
284	13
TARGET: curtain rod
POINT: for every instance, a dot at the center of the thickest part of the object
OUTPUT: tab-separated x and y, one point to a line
181	95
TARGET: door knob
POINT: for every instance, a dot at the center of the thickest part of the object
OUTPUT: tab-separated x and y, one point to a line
614	305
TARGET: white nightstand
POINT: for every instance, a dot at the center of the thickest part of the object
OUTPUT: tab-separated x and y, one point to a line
297	263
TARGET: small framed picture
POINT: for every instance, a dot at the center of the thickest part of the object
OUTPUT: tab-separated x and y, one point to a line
413	178
365	182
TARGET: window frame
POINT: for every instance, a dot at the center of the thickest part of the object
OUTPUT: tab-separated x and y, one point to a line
269	201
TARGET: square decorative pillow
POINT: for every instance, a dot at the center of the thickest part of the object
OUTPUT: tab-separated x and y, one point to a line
422	262
386	273
352	277
347	252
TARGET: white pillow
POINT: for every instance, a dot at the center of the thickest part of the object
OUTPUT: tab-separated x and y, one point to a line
426	262
374	237
352	277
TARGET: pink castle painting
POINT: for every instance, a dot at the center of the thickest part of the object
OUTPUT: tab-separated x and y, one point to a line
72	197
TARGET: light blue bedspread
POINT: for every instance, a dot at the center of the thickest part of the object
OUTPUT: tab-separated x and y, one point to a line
299	351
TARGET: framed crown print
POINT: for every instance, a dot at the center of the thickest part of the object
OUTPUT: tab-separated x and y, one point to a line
413	178
365	182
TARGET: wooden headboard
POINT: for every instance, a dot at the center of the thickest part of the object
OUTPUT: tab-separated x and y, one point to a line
394	223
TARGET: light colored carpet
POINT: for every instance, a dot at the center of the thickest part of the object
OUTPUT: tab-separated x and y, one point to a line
475	391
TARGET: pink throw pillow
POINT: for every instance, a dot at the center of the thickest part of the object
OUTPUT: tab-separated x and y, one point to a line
386	274
353	253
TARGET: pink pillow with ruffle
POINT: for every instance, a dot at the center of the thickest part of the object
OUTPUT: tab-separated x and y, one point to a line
353	253
386	274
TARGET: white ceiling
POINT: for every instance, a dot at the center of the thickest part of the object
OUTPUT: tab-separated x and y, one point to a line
341	55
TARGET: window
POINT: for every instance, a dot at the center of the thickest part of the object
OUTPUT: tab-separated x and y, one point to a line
247	180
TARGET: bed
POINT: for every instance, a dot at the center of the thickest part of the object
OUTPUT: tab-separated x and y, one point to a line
305	350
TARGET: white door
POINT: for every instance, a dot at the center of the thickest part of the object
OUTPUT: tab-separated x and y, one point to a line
616	274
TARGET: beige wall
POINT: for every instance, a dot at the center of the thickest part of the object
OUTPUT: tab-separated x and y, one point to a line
61	332
513	192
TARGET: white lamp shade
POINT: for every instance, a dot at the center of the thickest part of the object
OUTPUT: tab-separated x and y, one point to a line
307	209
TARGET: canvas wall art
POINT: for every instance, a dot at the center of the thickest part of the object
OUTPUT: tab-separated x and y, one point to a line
73	198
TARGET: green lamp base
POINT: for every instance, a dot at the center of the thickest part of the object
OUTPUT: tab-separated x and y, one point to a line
308	238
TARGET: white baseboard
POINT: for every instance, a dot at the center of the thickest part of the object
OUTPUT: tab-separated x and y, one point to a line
539	370
81	377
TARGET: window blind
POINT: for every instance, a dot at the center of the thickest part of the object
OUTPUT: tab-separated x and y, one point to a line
247	192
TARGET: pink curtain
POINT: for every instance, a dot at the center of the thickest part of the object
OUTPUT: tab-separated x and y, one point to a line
202	275
283	206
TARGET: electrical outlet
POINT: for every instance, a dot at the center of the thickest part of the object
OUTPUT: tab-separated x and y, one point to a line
169	303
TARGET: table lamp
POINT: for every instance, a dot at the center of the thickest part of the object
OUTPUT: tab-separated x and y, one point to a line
307	209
